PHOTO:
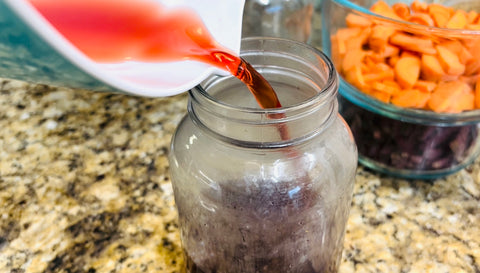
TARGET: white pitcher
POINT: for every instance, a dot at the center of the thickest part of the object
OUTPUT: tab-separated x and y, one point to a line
33	50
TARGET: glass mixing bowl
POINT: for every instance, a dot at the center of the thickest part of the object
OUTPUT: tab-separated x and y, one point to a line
405	142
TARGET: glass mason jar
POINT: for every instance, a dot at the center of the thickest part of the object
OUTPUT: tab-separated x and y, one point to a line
249	200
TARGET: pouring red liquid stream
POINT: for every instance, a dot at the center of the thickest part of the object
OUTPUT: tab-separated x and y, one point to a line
121	30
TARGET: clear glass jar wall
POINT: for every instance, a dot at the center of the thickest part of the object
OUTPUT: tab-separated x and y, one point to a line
248	200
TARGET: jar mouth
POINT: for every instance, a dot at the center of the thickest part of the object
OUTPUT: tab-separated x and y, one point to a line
323	89
306	84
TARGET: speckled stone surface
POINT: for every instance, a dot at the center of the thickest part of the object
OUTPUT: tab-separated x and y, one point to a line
84	187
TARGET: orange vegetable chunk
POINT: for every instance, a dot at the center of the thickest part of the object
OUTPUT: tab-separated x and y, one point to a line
458	20
464	102
381	96
459	49
379	36
357	42
354	20
393	60
431	69
418	6
439	14
355	77
413	43
450	61
347	33
446	95
353	58
422	19
411	98
386	87
472	67
473	26
407	71
390	51
472	17
383	9
425	86
379	76
402	10
470	80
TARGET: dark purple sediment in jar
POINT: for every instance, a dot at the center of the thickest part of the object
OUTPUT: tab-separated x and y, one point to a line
408	146
261	267
265	236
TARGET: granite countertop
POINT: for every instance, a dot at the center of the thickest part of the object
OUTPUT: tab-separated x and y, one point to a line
84	187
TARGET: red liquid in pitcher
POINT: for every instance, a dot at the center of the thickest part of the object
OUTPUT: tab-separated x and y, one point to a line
143	30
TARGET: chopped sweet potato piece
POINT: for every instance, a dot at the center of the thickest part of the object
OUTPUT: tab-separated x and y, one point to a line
440	14
472	67
389	87
355	77
459	49
402	10
411	98
472	17
418	6
354	20
393	60
407	71
422	19
472	44
406	53
379	36
450	62
381	96
473	26
383	9
353	58
412	43
464	102
347	33
390	51
470	80
446	95
379	76
380	67
357	42
431	69
425	86
458	20
372	58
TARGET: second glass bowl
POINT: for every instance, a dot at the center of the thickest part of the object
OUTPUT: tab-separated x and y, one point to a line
403	142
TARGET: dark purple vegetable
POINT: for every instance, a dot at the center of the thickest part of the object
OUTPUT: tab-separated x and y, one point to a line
408	146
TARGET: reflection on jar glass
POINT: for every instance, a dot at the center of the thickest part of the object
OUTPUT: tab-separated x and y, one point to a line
297	20
250	200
